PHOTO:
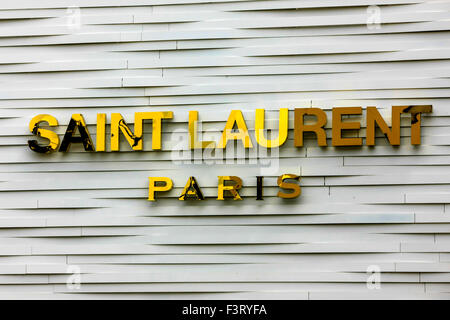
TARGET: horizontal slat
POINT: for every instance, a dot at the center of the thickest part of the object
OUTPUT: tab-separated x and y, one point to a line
362	208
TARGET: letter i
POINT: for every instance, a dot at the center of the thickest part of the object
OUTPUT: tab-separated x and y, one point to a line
259	188
101	127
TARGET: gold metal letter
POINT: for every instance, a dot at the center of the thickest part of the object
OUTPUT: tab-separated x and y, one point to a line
101	128
77	122
338	126
156	118
193	135
299	127
374	117
282	130
237	118
285	185
191	191
168	184
416	120
117	122
44	133
231	188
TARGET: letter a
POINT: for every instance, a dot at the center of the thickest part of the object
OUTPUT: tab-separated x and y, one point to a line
191	191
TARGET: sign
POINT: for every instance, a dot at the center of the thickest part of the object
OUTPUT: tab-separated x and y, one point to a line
235	129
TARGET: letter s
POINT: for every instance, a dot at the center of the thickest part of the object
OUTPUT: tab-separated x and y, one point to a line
44	133
296	191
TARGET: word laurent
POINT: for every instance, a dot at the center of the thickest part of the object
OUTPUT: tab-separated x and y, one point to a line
229	184
235	129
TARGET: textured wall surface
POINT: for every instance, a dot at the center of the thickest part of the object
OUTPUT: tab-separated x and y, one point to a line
383	207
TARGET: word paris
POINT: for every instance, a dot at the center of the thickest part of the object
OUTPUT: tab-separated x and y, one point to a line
229	184
235	129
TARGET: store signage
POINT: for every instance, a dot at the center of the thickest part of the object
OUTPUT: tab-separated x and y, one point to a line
235	129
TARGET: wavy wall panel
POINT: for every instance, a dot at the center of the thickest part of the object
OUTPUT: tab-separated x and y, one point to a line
385	206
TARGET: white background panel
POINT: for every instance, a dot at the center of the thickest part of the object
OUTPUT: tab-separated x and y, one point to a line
361	207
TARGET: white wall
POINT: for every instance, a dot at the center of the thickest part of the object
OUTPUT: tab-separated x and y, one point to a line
360	207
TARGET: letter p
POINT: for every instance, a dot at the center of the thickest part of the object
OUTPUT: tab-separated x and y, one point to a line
158	184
